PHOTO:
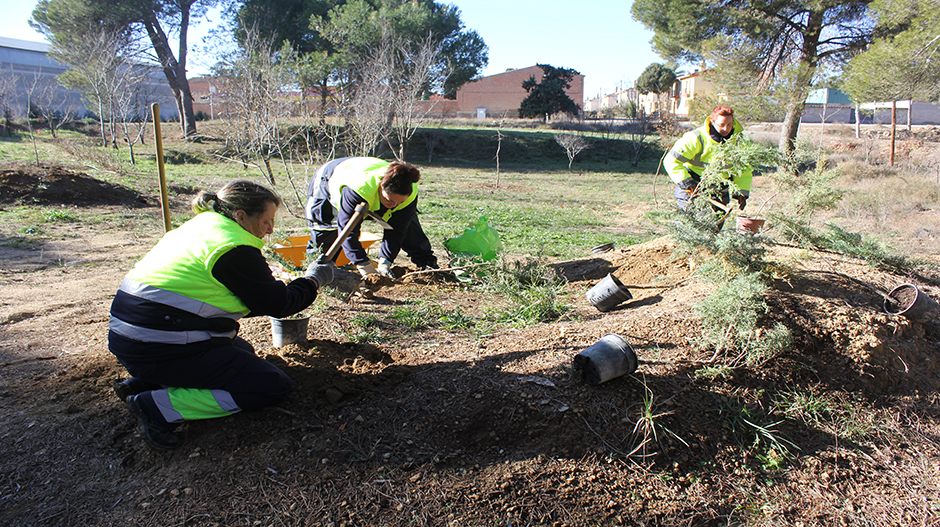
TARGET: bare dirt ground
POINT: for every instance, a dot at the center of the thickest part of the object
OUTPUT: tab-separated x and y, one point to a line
437	426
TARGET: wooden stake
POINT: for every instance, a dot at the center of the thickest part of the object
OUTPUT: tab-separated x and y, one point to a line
164	194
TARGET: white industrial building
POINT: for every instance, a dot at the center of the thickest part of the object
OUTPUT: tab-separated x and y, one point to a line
29	75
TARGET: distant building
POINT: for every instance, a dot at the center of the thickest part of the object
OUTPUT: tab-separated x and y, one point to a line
496	95
620	96
689	87
211	98
677	100
207	96
907	113
828	105
28	74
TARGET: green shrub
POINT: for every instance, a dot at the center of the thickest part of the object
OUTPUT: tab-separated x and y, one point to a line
730	318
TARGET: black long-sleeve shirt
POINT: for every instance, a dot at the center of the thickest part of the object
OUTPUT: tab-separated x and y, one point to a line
391	240
245	272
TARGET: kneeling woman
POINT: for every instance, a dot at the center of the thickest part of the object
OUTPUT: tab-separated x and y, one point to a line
391	191
175	318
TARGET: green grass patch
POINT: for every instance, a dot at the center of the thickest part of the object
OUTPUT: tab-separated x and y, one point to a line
531	288
58	216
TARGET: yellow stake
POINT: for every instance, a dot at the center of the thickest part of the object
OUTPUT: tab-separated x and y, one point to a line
164	194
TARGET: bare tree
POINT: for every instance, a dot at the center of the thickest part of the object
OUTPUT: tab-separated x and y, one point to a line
102	65
499	146
31	89
382	98
366	102
417	70
606	129
433	136
55	108
255	81
637	134
134	110
573	145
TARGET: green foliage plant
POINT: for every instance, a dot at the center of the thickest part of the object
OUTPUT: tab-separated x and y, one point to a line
732	159
547	97
730	314
365	329
58	216
833	413
425	315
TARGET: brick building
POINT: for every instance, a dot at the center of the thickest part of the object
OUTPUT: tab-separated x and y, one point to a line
493	96
501	94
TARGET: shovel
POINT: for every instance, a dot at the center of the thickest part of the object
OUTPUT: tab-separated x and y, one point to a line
362	210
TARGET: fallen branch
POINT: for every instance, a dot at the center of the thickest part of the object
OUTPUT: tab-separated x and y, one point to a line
19	361
426	271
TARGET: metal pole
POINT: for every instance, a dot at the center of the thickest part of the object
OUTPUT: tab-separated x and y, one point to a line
164	195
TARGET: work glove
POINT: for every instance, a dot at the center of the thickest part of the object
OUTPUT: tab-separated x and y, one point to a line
366	269
689	185
385	268
741	199
320	272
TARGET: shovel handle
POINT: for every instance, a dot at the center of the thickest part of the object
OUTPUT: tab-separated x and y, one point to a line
720	205
354	221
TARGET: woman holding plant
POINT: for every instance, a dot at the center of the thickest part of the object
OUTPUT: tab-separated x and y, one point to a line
389	189
174	319
687	160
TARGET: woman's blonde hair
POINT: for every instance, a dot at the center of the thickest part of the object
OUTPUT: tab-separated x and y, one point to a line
240	194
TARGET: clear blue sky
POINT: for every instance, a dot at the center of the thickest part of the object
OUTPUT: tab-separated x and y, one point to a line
599	39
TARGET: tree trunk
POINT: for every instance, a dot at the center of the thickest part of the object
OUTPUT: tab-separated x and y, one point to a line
187	117
807	63
175	73
790	127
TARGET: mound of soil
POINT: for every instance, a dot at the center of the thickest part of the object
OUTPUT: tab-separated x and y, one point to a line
56	184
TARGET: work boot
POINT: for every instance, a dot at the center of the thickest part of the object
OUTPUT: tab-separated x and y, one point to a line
159	435
133	386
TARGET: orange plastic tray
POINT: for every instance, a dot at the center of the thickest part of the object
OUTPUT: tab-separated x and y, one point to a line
294	248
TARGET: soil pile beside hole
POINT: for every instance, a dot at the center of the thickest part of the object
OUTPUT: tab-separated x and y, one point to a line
56	184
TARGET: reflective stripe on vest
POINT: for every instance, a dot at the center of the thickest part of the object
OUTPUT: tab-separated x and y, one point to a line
141	334
162	296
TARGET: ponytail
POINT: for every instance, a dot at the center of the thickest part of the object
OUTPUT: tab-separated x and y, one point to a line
400	178
236	195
